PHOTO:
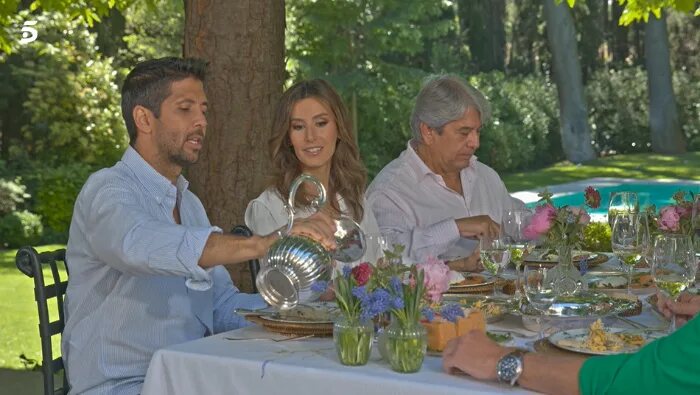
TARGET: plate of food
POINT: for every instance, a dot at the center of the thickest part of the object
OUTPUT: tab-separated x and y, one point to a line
612	280
471	280
494	308
598	340
585	304
549	256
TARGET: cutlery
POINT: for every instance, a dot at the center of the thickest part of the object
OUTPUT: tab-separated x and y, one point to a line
268	338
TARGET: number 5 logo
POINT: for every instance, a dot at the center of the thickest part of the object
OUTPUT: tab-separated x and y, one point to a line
29	34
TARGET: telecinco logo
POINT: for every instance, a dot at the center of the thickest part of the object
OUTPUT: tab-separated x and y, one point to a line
29	33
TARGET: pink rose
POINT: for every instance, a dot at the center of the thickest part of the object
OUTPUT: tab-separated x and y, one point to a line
541	221
683	210
436	278
361	273
582	215
669	219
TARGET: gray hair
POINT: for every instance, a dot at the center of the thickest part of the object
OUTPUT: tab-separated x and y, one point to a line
443	99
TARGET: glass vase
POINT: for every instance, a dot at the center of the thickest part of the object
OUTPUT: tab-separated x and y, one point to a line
406	345
353	340
566	278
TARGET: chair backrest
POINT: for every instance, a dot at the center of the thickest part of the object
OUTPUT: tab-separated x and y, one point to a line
253	264
31	263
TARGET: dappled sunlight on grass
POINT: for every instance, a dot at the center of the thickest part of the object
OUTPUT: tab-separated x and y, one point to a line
637	166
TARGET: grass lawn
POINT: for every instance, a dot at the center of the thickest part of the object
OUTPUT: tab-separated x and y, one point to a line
638	166
19	325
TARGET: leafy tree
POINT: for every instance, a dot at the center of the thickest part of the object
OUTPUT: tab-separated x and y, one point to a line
145	39
72	105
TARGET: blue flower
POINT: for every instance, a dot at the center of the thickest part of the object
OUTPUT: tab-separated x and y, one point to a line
377	303
346	271
451	312
361	293
396	286
583	266
397	303
319	286
428	313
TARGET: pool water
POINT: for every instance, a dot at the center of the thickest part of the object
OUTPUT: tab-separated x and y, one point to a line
659	194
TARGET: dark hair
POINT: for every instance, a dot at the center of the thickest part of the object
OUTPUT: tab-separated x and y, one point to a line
148	84
348	175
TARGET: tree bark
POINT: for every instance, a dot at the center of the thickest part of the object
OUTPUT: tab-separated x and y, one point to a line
666	135
243	41
481	24
573	114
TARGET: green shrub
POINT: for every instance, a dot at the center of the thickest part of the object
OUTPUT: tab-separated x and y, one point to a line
20	228
596	237
524	130
12	195
57	189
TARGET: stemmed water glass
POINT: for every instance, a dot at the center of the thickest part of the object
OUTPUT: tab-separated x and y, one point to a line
630	235
673	266
494	254
539	291
622	203
513	224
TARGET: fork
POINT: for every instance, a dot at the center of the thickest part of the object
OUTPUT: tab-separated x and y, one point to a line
301	337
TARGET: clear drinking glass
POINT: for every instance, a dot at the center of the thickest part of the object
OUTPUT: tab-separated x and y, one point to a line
696	231
539	290
673	266
629	234
513	223
494	254
622	202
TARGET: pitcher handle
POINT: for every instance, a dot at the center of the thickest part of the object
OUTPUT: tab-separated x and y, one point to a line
317	203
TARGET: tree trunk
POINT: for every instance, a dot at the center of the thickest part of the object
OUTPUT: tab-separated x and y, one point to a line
481	25
666	135
573	115
244	44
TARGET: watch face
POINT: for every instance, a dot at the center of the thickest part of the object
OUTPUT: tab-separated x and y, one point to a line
509	368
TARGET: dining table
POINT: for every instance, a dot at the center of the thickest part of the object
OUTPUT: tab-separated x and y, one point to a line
252	360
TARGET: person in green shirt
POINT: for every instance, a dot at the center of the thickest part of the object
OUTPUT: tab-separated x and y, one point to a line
667	365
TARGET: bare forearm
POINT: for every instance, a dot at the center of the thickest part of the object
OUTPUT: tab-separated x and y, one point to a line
551	375
227	249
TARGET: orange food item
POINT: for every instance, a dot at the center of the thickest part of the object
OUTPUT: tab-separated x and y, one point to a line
472	279
440	331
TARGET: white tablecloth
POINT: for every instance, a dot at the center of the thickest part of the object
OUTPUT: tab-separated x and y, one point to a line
214	365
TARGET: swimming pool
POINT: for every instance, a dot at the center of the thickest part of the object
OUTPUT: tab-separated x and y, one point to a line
659	193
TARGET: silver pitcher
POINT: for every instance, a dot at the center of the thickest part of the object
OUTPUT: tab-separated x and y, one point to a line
293	263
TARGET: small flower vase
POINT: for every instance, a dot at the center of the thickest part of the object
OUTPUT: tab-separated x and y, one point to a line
353	340
406	346
567	279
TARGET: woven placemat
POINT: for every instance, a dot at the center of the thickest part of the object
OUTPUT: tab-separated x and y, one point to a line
505	286
293	328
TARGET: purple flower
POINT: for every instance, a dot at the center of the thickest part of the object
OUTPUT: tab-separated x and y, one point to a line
428	313
360	293
396	286
397	303
346	271
583	266
377	303
319	286
451	312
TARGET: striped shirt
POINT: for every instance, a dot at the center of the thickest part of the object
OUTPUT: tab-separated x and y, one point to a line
415	208
135	285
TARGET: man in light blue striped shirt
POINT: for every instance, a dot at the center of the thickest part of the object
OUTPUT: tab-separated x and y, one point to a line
144	261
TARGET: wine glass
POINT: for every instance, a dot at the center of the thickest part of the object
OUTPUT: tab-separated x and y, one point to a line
513	223
629	234
539	290
622	202
673	266
494	254
377	246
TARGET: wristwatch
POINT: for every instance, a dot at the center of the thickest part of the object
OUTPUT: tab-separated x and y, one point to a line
510	367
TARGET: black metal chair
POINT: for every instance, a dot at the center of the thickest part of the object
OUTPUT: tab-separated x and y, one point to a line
253	264
31	263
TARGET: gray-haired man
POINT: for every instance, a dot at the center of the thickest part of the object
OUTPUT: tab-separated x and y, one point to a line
436	197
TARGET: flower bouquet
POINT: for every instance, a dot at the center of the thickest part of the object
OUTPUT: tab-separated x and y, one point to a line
358	304
675	218
410	298
562	229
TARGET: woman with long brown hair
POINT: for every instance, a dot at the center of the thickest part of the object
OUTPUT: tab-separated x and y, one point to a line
312	133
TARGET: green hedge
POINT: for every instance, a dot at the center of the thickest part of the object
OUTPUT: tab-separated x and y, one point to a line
20	228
